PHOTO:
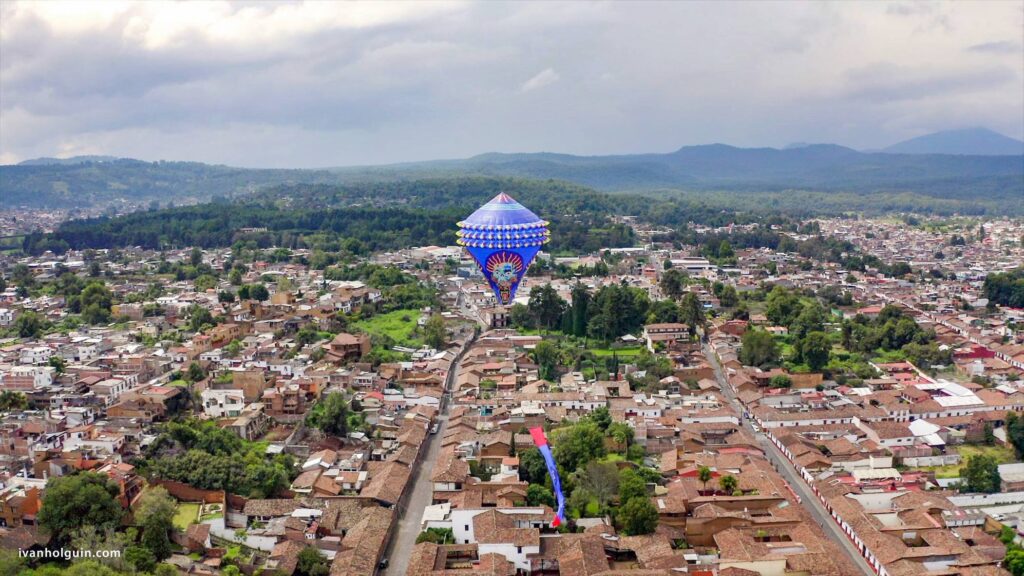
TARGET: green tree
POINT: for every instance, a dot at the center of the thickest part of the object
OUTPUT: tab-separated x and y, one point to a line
84	499
704	474
11	400
673	282
155	501
780	381
600	479
758	348
520	316
638	516
728	298
532	467
782	306
546	306
96	301
631	485
199	316
663	311
981	474
155	513
691	311
28	324
434	332
601	418
141	557
165	570
537	495
330	415
196	256
580	302
989	434
22	276
89	538
312	563
195	372
810	319
1015	433
545	354
205	282
622	433
815	349
11	563
574	446
259	292
728	483
58	363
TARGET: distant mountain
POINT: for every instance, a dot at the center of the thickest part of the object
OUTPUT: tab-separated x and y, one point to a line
969	141
715	167
826	167
66	161
795	145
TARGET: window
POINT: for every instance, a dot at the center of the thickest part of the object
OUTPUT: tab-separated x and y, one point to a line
519	549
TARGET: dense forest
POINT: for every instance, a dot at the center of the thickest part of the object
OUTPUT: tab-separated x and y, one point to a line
369	216
358	218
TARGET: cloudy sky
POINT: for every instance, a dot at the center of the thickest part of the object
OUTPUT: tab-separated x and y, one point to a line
329	84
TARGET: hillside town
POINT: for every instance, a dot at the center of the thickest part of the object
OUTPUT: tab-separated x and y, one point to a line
847	402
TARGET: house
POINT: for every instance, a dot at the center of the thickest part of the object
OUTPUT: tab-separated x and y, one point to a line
345	347
222	403
18	504
665	334
251	423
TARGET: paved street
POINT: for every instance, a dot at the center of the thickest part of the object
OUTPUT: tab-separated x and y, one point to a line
410	515
809	501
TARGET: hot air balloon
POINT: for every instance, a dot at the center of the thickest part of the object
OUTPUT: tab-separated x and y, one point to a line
503	236
541	442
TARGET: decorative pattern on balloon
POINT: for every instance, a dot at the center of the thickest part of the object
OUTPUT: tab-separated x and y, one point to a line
503	269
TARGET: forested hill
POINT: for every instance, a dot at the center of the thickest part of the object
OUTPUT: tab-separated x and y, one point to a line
712	168
93	181
357	218
366	216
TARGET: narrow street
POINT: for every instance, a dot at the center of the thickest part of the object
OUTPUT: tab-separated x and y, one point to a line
808	500
409	516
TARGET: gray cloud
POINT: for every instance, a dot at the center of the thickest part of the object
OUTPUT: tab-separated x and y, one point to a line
322	84
1002	47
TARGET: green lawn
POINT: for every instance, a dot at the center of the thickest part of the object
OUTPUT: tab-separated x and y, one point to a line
1002	454
603	352
186	514
398	325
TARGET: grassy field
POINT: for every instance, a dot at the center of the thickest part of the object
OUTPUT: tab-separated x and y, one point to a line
398	325
186	514
1002	454
621	352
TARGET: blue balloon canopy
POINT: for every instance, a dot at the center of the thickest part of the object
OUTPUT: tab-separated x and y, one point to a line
503	237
